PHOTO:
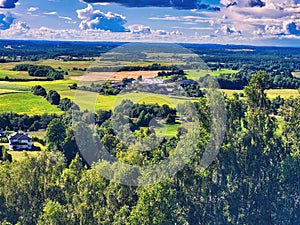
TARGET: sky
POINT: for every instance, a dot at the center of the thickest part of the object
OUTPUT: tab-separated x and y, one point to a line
254	22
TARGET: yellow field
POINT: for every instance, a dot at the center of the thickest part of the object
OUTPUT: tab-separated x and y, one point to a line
296	74
117	76
38	134
21	155
92	101
273	93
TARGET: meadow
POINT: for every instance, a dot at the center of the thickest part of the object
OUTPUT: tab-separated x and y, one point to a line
196	74
168	130
93	101
21	155
26	103
272	93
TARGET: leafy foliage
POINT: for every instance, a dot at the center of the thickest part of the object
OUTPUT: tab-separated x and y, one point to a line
39	90
254	179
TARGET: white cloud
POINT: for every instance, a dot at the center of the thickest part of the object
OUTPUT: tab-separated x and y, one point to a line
257	18
33	9
228	30
97	20
139	29
65	18
50	13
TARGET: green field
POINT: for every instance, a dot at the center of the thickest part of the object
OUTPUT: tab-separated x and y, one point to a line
15	74
26	103
196	74
5	85
21	155
273	93
167	130
38	134
58	85
91	100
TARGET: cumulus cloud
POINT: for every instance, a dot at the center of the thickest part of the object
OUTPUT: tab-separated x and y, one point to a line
228	30
256	19
178	4
6	19
287	28
97	20
142	31
139	29
8	4
18	28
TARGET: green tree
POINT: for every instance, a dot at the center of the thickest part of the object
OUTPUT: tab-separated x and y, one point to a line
55	134
65	104
53	214
53	97
39	90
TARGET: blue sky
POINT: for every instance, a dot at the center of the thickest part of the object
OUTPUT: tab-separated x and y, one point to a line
258	22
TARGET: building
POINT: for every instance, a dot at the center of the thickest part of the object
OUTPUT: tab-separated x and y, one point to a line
152	81
19	141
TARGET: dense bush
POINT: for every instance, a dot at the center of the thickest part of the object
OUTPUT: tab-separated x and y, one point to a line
53	97
40	71
39	90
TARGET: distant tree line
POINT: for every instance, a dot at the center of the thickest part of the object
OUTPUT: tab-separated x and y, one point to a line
152	67
107	88
40	71
14	121
239	80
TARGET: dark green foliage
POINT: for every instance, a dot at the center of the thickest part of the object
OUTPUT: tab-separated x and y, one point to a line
4	155
13	121
40	71
73	86
55	134
53	97
55	75
144	113
39	90
65	104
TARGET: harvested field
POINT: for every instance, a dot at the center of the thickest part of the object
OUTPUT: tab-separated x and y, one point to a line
117	76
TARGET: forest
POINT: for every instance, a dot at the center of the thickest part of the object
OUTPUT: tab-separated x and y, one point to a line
255	178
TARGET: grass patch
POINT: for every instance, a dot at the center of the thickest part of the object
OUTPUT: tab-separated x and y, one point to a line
167	130
39	134
7	91
26	103
16	74
196	74
58	85
22	155
5	85
272	93
284	93
91	100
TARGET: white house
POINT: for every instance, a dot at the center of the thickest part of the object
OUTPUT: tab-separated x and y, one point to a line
19	141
